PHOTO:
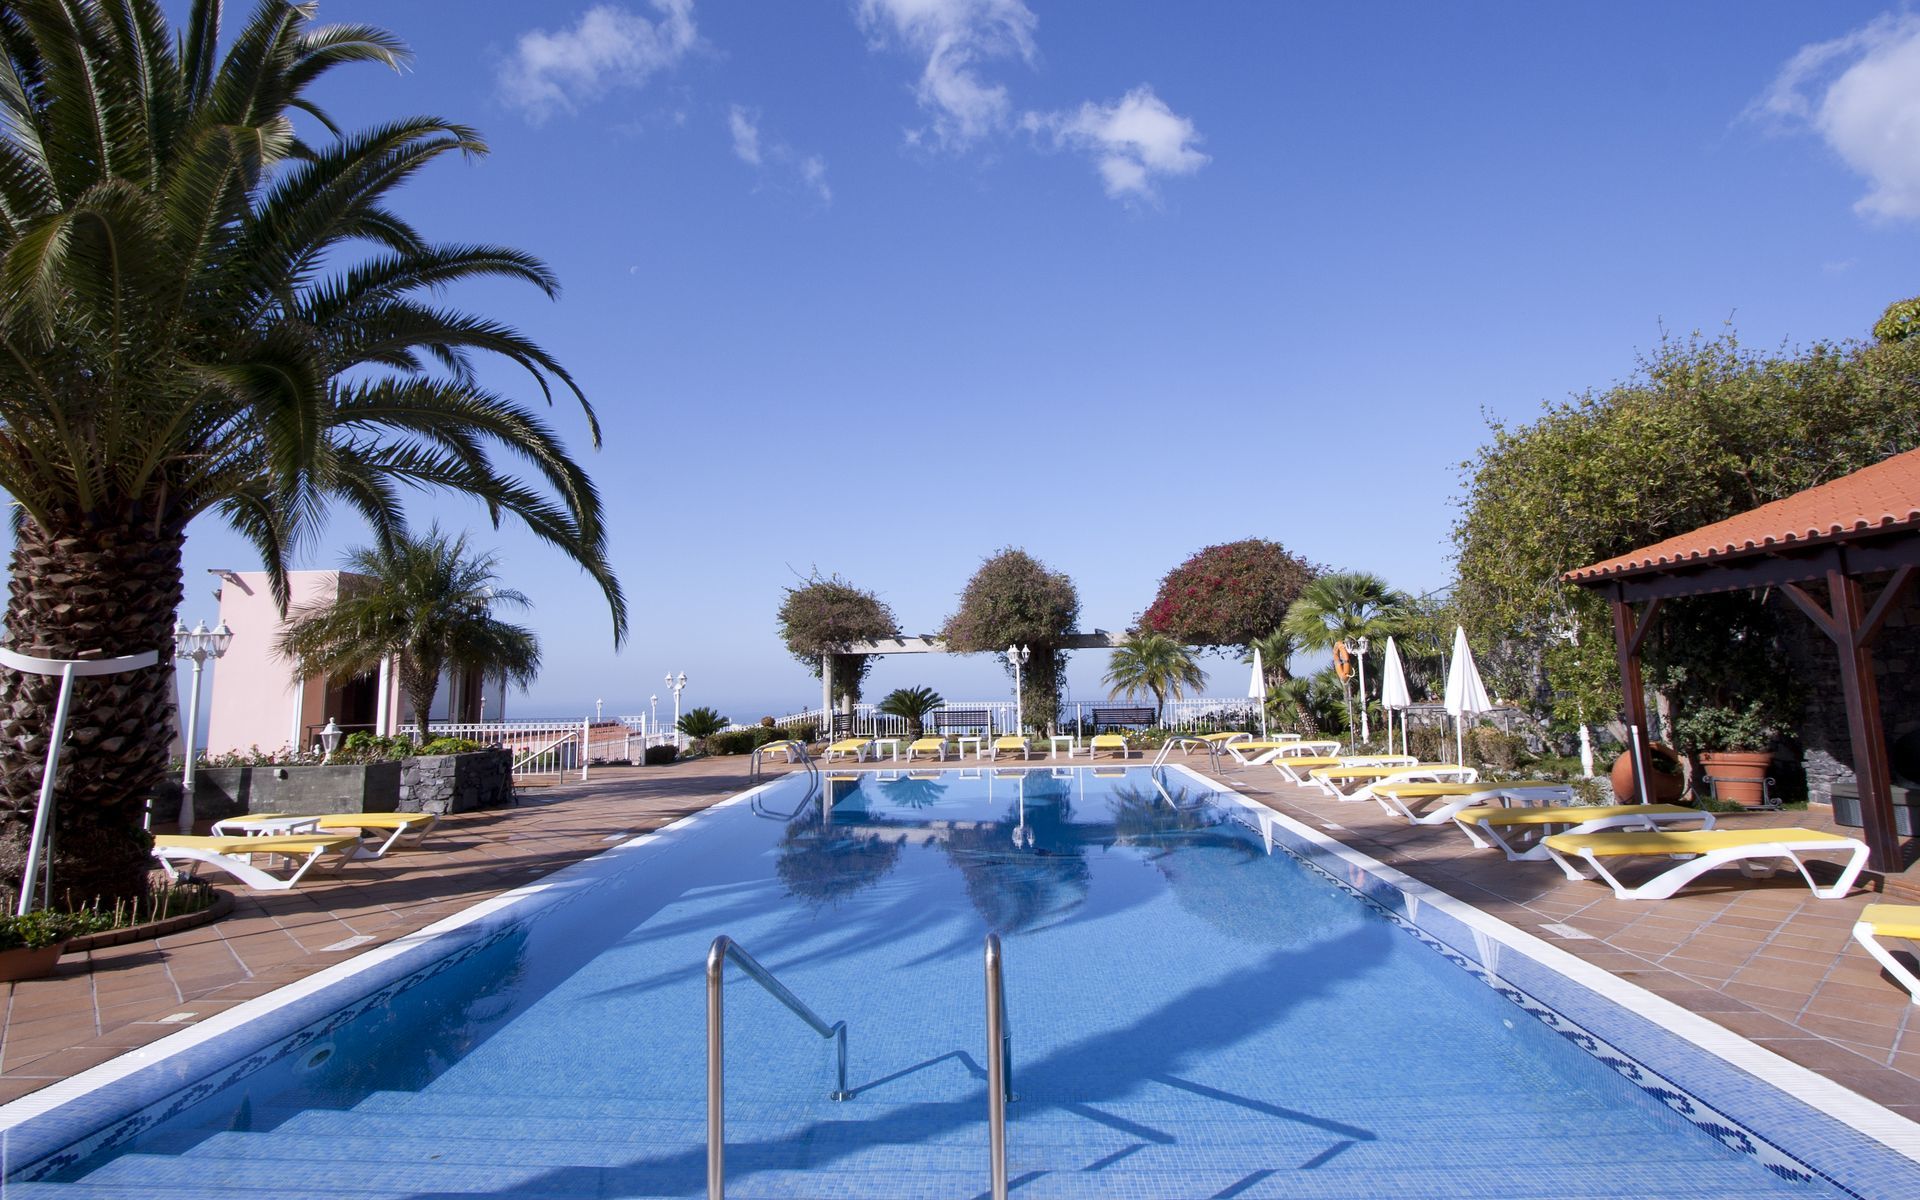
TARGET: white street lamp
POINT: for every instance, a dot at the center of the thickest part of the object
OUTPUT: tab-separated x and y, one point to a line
1017	657
654	702
678	685
596	710
330	736
198	644
1360	646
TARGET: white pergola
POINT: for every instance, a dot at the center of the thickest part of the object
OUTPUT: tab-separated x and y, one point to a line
1099	639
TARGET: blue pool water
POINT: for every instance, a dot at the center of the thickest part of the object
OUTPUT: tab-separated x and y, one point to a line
1192	1016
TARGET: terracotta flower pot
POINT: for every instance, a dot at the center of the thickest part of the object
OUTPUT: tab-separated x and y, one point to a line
1739	775
23	963
1664	784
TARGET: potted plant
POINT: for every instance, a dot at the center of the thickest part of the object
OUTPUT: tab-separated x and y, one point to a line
1734	747
30	946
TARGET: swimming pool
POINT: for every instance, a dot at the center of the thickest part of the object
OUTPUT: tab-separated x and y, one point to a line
1193	1015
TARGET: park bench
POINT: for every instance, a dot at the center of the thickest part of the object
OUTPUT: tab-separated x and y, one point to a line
1110	718
947	720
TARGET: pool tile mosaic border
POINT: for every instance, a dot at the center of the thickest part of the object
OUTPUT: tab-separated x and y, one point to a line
1809	1137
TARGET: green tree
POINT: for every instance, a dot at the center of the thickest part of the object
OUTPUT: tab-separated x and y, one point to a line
1015	599
1344	607
822	617
1149	662
425	599
203	311
702	723
1276	653
1308	704
1228	595
913	705
1705	430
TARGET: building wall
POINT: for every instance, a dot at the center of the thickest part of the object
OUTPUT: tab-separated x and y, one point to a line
255	699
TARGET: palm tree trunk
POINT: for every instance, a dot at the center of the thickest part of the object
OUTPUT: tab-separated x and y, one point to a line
88	590
420	684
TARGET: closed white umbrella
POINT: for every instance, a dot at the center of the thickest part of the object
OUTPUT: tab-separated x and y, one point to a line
1394	695
1466	695
1257	690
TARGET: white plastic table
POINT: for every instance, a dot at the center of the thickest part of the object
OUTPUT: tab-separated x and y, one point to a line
962	741
264	826
892	745
1054	740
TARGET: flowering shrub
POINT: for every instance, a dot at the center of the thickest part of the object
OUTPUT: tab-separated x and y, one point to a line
1228	595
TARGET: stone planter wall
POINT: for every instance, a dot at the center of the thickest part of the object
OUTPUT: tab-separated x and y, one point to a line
444	783
220	792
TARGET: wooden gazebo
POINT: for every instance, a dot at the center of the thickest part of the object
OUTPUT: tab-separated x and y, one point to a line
1856	538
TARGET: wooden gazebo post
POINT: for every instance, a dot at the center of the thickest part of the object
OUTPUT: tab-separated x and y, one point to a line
1628	635
1853	626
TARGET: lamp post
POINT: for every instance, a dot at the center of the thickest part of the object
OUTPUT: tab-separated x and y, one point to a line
654	702
198	644
678	685
330	736
596	710
1360	647
1017	659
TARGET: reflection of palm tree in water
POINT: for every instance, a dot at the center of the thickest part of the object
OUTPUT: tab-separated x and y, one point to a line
910	791
820	863
1028	869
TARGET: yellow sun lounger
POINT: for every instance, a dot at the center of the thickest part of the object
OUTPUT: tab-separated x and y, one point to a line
793	750
1107	741
1010	744
1397	797
234	854
1294	770
1890	921
860	748
1748	849
936	746
407	828
1489	825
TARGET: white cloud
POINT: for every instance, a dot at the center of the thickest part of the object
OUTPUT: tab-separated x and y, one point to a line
746	134
956	36
610	46
775	158
1134	140
1861	94
813	173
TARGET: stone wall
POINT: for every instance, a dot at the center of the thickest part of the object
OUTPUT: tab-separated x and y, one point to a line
444	783
221	792
1814	659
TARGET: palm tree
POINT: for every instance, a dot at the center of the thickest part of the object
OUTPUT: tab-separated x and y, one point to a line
913	704
1276	649
1152	662
204	311
1343	607
427	601
701	724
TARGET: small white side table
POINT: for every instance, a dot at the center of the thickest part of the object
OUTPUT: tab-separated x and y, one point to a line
263	826
892	745
1055	739
977	741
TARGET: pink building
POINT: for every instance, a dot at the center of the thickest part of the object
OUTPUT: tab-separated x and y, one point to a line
257	700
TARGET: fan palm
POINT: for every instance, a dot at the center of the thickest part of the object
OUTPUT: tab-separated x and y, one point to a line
204	311
1342	607
912	705
1276	651
425	600
1155	663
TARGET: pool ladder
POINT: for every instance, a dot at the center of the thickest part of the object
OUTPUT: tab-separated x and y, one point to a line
999	1056
1166	748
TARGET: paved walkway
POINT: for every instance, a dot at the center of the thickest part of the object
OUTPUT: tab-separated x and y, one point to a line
1761	957
1764	959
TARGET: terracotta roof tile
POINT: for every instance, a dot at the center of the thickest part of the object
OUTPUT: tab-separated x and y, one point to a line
1884	496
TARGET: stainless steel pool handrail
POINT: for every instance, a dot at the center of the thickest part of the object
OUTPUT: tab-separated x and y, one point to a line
1166	748
725	948
999	1070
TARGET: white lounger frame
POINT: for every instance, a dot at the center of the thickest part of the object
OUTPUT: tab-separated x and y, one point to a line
1299	778
1026	749
1869	941
859	752
1294	748
1446	807
237	865
398	835
1680	874
1648	822
1422	775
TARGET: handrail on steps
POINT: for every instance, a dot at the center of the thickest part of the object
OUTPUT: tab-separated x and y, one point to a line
725	948
999	1070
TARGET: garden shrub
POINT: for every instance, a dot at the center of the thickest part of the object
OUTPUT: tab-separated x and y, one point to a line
733	741
44	927
450	745
660	756
1494	748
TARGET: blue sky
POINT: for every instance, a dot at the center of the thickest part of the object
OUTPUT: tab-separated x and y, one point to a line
881	286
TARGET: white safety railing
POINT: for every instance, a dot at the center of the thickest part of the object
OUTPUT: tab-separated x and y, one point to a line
542	750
